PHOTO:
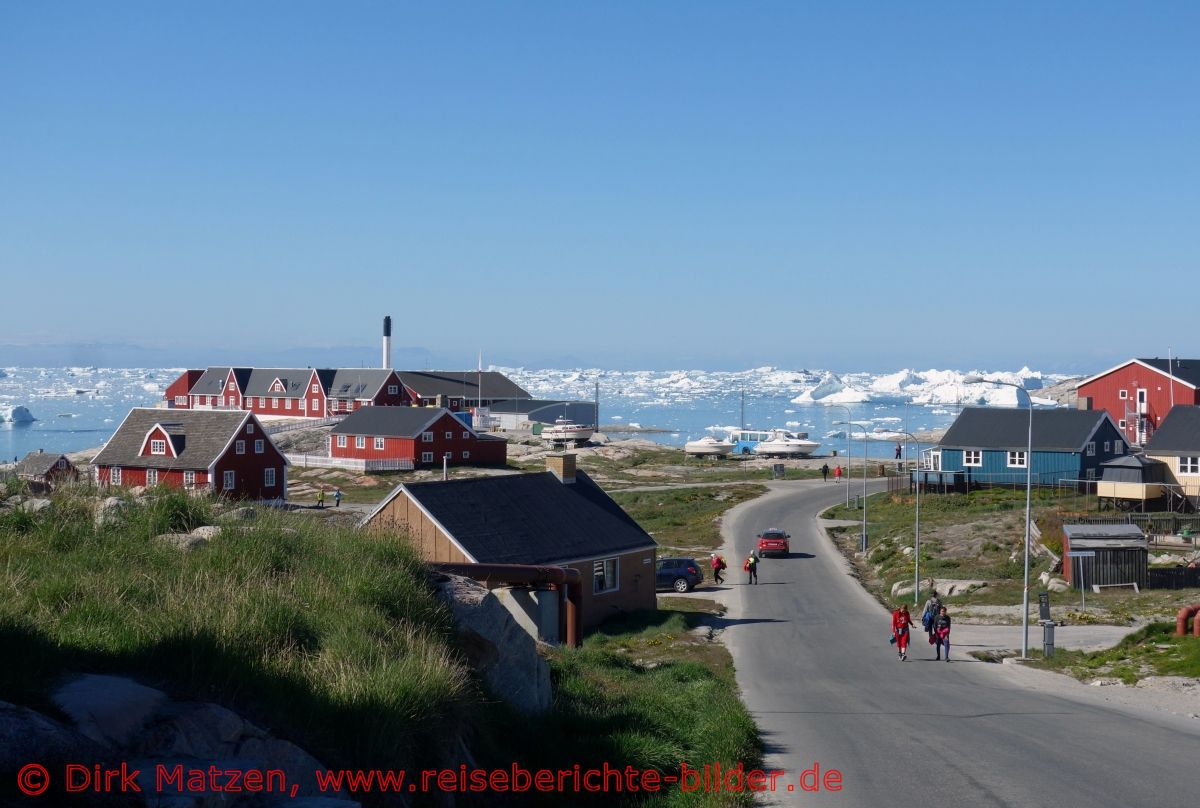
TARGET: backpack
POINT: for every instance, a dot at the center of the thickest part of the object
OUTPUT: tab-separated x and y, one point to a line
746	565
721	563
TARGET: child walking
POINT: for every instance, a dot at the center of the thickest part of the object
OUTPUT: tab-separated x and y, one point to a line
901	623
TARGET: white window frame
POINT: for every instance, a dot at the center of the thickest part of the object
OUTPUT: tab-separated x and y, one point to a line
151	477
228	480
269	477
274	403
304	405
114	475
449	435
1017	459
360	441
180	401
341	441
239	447
426	457
287	403
316	405
1123	395
600	572
466	435
249	429
1121	424
1108	447
973	457
379	444
466	455
158	447
426	437
393	389
448	455
1119	447
189	479
314	389
1189	465
262	402
260	446
1091	448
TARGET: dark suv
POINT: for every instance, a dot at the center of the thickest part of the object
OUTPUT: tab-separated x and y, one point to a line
680	574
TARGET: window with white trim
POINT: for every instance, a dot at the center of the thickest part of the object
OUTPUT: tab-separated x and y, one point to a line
274	403
314	388
360	441
466	435
393	389
1017	460
1123	394
426	437
259	447
1107	447
426	457
448	455
158	447
268	478
239	447
228	480
972	457
1091	448
341	441
304	405
316	405
1118	447
114	475
1189	465
1121	423
249	429
449	436
262	402
180	401
287	403
604	575
466	456
151	477
189	479
379	444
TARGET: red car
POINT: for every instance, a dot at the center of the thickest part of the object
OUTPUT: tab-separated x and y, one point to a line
774	541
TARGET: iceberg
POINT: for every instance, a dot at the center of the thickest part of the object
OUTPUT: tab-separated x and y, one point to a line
16	414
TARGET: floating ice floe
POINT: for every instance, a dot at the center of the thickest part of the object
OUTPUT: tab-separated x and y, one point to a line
16	414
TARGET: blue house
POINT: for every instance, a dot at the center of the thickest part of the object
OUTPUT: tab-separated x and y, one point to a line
987	446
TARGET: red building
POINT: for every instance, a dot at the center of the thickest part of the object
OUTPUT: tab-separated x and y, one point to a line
295	392
1139	393
424	435
176	393
226	452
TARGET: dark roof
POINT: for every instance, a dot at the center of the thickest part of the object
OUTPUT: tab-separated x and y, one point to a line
1132	461
1186	369
37	464
203	435
529	518
295	382
1179	433
210	382
1127	531
396	422
460	383
1133	469
1059	430
357	382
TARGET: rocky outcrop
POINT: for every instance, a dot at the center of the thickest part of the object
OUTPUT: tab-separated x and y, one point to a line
109	511
502	652
946	587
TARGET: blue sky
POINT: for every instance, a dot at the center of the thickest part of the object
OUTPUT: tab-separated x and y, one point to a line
669	184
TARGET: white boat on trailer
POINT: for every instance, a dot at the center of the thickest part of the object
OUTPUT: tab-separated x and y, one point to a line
784	443
708	446
567	431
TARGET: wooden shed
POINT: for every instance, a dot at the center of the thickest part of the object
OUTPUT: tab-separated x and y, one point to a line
1129	481
1121	555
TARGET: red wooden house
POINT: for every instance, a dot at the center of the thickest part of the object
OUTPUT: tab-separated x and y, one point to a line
226	452
295	392
424	435
177	391
44	470
1139	393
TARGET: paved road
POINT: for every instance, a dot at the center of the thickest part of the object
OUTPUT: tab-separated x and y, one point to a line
824	685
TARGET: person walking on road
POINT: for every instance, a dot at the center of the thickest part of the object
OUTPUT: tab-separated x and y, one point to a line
837	473
933	607
718	564
320	497
337	497
941	633
751	568
901	623
825	472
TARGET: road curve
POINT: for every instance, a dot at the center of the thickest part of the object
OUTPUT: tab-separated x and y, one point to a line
817	673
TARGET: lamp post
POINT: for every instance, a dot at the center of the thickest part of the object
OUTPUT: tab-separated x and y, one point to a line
848	415
1028	504
862	544
917	528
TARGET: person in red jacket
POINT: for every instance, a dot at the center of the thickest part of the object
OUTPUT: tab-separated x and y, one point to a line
901	623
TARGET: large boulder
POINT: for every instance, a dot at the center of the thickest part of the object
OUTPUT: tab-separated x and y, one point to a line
503	653
206	532
35	505
109	511
1058	585
108	709
26	735
182	541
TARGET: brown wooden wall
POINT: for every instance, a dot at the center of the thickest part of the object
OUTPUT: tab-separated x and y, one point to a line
401	516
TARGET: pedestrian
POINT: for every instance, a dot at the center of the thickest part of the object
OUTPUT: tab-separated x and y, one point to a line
901	623
941	633
837	473
718	564
825	472
899	451
320	497
933	606
751	568
337	497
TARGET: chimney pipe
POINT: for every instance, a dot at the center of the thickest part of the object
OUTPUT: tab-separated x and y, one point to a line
387	343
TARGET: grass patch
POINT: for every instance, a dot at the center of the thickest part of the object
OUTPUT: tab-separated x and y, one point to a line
1153	650
686	520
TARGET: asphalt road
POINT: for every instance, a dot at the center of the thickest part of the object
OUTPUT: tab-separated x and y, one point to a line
825	686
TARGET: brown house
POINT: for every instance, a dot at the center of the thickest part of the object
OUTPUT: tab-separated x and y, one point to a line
558	517
43	471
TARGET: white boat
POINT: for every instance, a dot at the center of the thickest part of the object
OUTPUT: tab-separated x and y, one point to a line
567	431
708	446
784	443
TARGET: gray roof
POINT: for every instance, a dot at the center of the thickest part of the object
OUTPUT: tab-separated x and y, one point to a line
1186	369
1179	433
528	518
1058	430
358	382
295	382
1126	531
199	437
211	382
37	464
460	383
397	422
1133	469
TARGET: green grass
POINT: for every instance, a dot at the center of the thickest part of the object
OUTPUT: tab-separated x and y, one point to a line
1151	651
685	519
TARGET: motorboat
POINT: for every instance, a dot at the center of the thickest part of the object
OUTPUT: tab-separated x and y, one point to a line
783	443
708	446
564	430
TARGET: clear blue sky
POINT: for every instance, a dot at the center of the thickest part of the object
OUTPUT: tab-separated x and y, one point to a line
635	184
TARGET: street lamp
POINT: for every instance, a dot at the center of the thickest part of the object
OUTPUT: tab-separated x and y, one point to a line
917	529
863	541
848	415
1028	503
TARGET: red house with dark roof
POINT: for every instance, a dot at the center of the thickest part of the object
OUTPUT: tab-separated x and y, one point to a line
225	451
424	435
1139	393
295	392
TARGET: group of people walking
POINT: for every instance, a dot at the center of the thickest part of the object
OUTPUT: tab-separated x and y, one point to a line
749	566
934	619
837	473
